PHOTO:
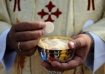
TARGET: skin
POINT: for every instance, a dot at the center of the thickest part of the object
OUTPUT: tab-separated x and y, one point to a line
27	33
81	44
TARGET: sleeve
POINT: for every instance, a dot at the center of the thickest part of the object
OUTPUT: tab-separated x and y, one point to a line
97	30
93	59
5	25
7	58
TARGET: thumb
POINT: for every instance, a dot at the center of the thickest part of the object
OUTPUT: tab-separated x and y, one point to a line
71	45
77	43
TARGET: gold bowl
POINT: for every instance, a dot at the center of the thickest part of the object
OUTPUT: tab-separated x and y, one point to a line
49	54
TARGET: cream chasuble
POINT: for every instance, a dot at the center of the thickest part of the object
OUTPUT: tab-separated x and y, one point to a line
68	16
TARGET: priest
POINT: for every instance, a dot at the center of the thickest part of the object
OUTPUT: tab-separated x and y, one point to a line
21	25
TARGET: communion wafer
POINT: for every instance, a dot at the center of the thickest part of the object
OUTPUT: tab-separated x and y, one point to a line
49	27
54	44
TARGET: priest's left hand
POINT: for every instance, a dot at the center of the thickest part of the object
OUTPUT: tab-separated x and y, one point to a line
81	44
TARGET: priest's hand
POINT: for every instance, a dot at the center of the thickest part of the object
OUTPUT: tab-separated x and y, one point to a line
23	37
81	44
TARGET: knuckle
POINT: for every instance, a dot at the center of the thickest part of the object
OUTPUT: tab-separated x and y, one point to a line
13	28
25	25
39	34
19	38
38	25
26	35
30	53
27	45
41	25
77	43
72	67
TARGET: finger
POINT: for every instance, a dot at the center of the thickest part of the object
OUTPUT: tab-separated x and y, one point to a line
79	47
65	66
28	26
74	37
28	53
71	45
77	61
54	66
27	45
29	35
77	43
44	64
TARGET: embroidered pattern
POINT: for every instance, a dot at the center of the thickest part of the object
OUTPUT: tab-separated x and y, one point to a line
16	3
21	61
50	6
89	4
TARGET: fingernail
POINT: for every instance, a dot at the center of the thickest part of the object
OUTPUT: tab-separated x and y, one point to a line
43	32
42	23
72	44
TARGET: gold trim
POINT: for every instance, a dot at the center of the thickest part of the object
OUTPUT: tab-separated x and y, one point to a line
52	37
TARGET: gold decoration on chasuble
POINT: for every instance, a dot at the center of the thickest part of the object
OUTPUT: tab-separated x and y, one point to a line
20	58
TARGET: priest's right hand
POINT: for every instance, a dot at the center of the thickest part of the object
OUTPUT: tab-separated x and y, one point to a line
23	37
